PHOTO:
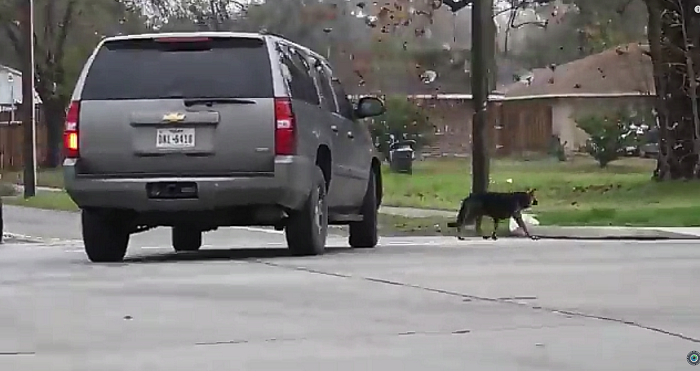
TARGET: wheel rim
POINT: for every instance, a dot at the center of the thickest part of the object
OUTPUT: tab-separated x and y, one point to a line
318	211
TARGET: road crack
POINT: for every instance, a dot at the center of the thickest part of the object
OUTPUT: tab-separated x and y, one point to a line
368	336
351	337
507	301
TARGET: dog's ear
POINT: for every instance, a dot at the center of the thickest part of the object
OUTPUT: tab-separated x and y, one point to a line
531	191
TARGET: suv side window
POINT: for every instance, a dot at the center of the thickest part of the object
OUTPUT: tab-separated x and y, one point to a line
298	75
324	84
345	107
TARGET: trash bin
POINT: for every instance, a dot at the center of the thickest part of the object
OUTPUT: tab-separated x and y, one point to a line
401	156
402	162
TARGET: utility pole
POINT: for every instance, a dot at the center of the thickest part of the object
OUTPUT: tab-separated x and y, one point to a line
482	13
483	49
28	106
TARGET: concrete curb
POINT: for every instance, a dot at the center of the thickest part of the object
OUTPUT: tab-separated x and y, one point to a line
19	188
610	233
563	233
544	232
618	238
416	213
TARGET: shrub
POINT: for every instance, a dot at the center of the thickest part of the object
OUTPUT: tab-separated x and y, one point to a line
557	149
7	189
609	135
404	119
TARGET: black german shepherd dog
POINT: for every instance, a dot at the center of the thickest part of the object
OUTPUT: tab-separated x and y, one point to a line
496	205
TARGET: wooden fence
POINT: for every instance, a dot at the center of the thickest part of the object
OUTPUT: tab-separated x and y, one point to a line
514	127
525	126
12	143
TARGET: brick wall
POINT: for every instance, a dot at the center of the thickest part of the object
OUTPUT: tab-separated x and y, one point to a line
513	127
452	120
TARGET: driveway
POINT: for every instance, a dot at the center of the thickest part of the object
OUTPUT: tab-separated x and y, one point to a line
411	304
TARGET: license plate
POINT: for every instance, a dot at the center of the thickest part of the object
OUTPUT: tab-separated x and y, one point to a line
175	138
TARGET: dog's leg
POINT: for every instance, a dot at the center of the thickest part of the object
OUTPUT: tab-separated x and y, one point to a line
459	230
477	226
519	219
462	218
459	233
495	228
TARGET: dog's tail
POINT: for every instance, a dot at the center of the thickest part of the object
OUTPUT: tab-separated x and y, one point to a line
465	215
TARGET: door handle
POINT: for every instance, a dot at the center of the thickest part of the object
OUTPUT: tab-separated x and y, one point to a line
351	135
334	128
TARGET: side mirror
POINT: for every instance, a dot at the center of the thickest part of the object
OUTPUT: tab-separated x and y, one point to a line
369	107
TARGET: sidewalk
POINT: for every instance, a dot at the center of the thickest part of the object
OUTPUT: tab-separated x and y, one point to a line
554	232
20	188
411	212
619	233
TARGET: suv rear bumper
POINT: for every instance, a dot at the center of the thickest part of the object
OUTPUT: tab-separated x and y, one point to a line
288	187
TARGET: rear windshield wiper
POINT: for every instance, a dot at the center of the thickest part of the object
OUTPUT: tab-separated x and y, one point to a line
189	102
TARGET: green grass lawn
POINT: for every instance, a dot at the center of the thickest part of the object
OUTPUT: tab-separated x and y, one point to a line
395	225
570	193
44	200
577	192
52	178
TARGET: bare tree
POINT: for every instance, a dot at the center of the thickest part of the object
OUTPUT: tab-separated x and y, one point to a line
65	33
674	33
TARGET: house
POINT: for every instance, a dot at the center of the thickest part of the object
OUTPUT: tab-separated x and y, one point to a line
526	116
11	131
11	92
618	77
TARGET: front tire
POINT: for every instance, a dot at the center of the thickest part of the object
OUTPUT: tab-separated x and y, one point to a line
364	234
307	229
186	239
105	235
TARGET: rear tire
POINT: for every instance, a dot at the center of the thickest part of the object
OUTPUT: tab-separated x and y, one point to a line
307	228
105	235
186	239
364	234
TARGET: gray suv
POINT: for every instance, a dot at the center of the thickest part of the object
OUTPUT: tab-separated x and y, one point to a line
197	131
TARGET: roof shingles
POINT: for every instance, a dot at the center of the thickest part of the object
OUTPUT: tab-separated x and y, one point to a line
625	69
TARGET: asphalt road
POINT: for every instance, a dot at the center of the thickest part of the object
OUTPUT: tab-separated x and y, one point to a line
411	304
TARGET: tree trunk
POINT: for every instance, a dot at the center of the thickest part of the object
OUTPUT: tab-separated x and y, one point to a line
491	50
662	171
54	117
679	120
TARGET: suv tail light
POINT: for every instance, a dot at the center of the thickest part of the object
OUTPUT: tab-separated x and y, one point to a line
285	128
70	133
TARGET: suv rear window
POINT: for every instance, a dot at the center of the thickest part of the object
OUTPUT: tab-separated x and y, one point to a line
151	69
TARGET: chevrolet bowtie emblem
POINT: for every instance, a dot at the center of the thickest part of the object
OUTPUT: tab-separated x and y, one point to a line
174	117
